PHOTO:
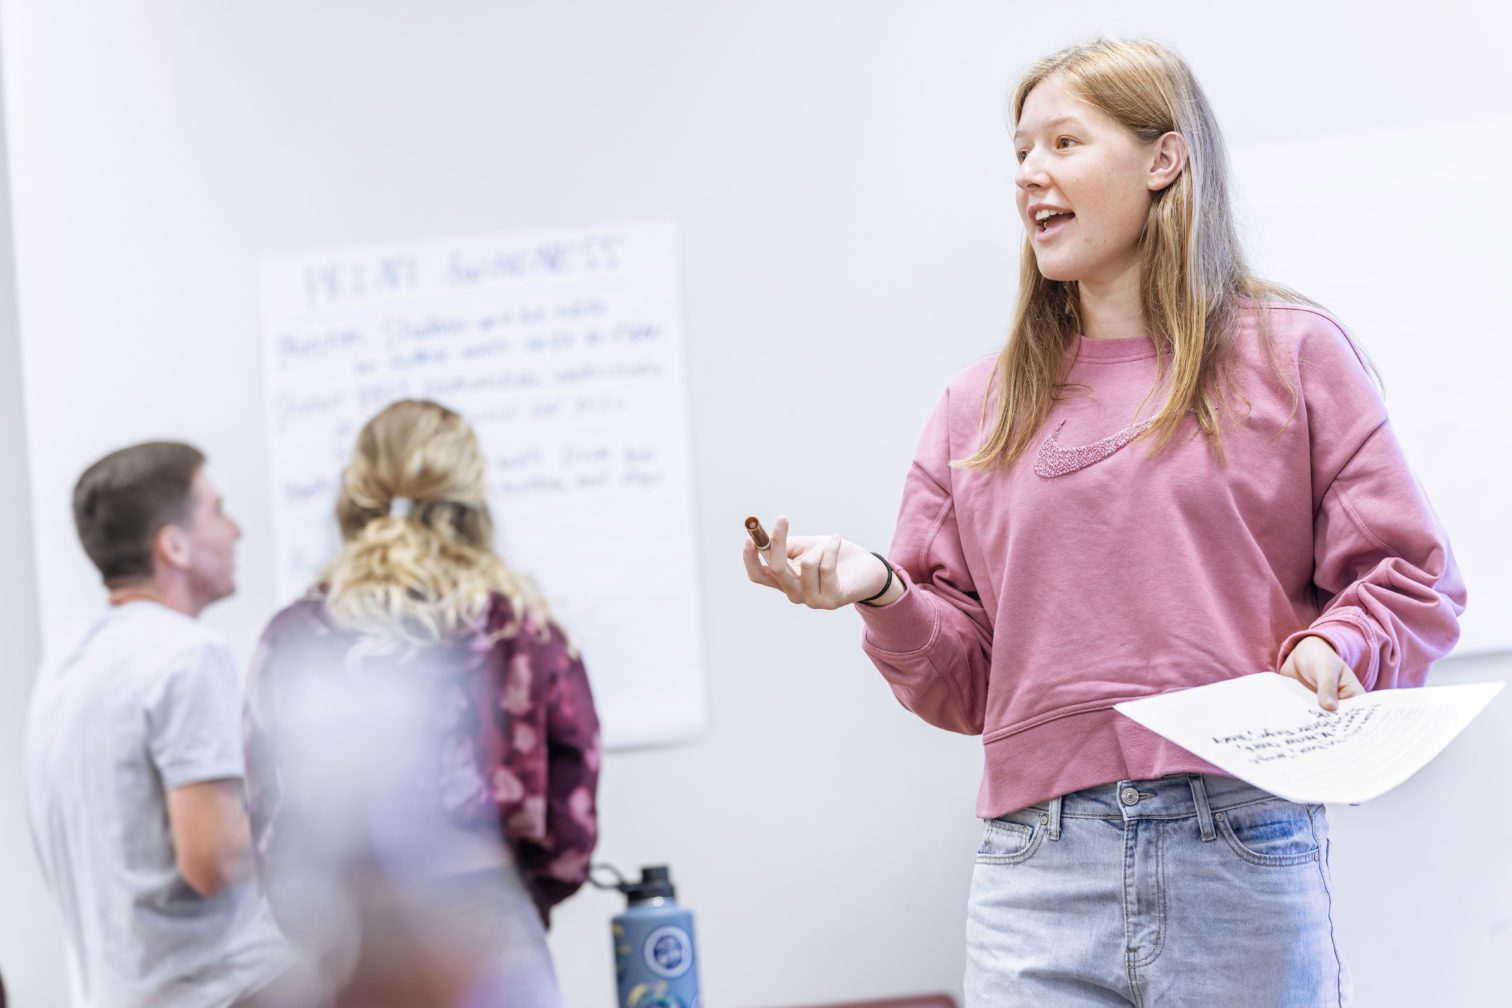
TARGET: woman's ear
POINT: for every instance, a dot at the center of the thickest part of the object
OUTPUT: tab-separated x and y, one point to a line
1169	158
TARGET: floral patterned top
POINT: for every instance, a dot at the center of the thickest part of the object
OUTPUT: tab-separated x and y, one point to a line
516	725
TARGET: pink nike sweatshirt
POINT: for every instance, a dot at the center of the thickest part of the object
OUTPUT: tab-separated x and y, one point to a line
1094	571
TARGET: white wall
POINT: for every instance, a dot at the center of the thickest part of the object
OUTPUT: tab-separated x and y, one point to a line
843	184
31	953
1424	874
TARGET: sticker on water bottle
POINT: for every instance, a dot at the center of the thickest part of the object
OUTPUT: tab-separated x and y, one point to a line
668	952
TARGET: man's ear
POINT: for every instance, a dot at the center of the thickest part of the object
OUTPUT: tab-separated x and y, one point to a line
1168	161
170	548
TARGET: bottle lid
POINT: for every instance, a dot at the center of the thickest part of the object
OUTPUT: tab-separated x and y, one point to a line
655	883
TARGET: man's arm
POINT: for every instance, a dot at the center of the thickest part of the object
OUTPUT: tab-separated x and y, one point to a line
211	840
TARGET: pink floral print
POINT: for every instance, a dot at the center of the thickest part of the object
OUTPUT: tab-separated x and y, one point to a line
519	736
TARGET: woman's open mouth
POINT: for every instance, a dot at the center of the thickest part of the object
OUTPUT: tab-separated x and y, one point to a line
1047	223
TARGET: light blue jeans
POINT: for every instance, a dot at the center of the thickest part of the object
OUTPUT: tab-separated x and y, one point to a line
1191	890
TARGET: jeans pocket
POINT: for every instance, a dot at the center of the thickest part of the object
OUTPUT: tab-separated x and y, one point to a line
1273	834
1006	841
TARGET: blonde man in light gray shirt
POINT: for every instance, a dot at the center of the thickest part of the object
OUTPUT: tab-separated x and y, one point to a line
133	754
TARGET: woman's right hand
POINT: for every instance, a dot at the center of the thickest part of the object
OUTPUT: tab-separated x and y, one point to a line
821	572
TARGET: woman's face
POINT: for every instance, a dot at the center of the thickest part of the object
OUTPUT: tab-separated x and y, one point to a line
1084	184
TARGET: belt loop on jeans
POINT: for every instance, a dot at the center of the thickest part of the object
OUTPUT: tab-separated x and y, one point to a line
1055	817
1204	810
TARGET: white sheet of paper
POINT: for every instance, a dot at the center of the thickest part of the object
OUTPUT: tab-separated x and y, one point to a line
1269	730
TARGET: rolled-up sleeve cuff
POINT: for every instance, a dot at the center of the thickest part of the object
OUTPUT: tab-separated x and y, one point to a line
907	625
1352	643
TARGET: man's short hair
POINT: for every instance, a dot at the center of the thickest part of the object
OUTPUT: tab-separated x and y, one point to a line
123	501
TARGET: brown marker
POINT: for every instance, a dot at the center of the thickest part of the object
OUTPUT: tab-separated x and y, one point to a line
758	534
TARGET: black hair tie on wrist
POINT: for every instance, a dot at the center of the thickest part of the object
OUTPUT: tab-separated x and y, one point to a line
869	601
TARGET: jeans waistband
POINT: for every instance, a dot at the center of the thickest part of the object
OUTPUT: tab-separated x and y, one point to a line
1174	797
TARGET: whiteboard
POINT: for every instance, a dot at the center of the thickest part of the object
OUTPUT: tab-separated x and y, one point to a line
564	350
1381	230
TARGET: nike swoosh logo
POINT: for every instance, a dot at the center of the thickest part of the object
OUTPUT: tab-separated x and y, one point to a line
1052	460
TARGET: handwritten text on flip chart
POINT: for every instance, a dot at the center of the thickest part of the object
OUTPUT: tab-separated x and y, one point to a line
564	351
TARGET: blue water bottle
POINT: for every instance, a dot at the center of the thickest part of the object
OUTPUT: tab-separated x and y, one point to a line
654	957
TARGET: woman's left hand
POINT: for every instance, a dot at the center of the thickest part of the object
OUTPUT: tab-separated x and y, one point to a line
1315	664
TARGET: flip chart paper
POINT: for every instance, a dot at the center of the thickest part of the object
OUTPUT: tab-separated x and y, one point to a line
564	350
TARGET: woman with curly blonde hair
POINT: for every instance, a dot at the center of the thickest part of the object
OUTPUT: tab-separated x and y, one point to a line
421	736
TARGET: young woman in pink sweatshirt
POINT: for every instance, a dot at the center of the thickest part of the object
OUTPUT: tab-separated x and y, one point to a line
1172	474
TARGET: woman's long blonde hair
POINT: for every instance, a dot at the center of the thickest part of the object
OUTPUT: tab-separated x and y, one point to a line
415	579
1192	267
